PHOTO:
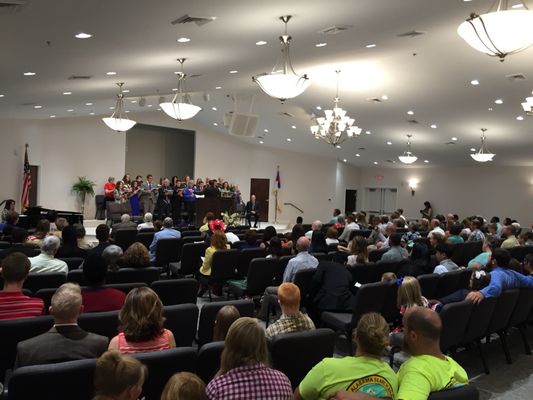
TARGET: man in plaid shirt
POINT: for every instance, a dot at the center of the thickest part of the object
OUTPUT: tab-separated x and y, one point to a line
292	319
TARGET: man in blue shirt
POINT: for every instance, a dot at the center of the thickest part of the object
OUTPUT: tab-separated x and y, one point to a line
302	261
166	233
501	278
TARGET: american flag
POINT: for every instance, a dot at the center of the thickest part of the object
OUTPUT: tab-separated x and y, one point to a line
26	182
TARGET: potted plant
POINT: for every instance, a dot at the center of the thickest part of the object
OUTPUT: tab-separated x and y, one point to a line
83	187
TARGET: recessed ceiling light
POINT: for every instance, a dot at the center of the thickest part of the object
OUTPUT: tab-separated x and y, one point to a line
474	82
426	161
67	93
321	44
384	97
183	40
375	163
318	108
265	130
111	108
317	137
410	112
149	106
70	110
175	89
91	113
520	118
215	124
159	109
88	104
111	73
261	43
345	160
29	73
293	127
389	143
472	149
490	108
52	116
261	142
371	45
213	108
37	107
134	101
289	139
498	101
338	146
83	35
358	155
126	91
454	139
1	95
233	71
127	111
218	87
433	126
368	132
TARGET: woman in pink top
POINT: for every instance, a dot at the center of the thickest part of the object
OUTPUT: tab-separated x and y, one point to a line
141	324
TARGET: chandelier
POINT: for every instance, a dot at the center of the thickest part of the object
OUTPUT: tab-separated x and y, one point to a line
283	83
180	107
336	127
501	31
118	121
483	155
407	157
528	106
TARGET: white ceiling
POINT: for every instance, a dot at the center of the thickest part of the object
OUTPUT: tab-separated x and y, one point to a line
429	74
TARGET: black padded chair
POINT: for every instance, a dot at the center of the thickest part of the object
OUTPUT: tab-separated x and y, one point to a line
390	310
375	255
16	330
311	346
448	283
162	365
501	317
282	265
36	281
61	381
261	274
209	360
124	238
130	275
454	317
72	262
126	287
190	259
193	239
321	256
223	267
466	392
182	320
4	244
245	257
304	280
209	313
477	326
429	284
176	291
520	315
76	276
46	295
167	251
99	201
464	252
145	238
102	323
191	233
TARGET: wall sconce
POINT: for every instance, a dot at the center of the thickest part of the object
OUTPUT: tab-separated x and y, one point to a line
413	183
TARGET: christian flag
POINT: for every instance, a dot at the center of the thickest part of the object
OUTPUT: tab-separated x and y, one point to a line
278	180
26	183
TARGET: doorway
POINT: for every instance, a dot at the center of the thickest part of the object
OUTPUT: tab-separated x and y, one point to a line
381	201
261	189
34	189
350	201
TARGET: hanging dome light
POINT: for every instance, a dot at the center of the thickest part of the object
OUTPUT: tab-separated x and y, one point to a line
483	155
283	83
501	31
407	157
118	121
180	107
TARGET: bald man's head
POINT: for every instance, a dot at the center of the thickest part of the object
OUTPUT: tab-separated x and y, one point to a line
302	244
424	322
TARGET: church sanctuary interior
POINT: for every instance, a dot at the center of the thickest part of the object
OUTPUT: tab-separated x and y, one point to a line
349	212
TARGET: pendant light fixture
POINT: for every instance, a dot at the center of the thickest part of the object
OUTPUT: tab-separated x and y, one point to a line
118	121
503	30
408	157
336	127
283	83
180	107
483	155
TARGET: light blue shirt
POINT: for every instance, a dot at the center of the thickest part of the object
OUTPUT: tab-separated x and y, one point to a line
446	265
395	254
502	279
482	258
166	233
302	261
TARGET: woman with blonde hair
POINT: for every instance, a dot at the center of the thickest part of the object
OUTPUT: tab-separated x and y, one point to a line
118	377
136	256
141	324
218	242
410	294
226	316
184	386
244	367
362	373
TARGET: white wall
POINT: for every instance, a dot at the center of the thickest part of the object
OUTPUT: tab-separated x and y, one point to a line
484	190
63	149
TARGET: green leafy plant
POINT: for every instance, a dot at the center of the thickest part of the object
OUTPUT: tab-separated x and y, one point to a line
83	187
231	219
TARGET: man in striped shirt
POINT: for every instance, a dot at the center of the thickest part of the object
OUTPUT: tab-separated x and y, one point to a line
13	303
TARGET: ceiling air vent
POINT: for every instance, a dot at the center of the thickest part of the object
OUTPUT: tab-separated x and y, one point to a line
449	143
11	6
374	100
79	77
516	77
391	161
413	121
287	114
411	34
199	21
333	30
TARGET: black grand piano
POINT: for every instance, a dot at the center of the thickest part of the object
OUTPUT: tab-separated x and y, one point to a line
32	215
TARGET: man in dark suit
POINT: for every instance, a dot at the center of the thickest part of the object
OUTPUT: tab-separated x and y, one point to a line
211	191
252	211
66	341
